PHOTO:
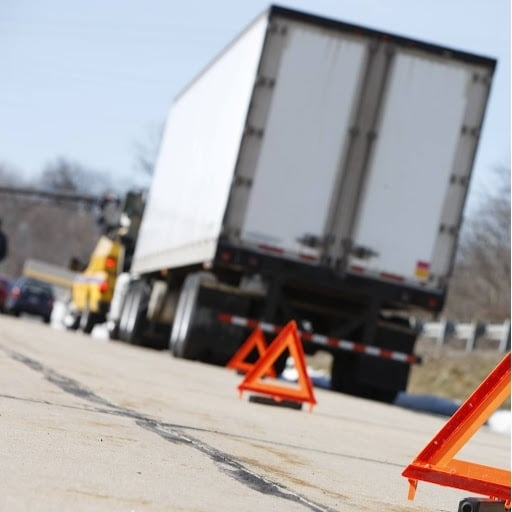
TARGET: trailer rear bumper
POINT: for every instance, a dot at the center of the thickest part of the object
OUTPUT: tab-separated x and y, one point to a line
323	279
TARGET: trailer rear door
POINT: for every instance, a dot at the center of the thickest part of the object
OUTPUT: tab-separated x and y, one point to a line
308	121
418	172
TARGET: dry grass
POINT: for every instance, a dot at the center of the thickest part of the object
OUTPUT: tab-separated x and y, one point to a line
446	371
451	372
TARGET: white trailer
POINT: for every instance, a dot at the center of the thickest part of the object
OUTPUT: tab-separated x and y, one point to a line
317	171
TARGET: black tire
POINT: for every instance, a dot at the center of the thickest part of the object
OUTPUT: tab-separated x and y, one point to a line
134	320
124	316
344	378
190	321
133	312
343	373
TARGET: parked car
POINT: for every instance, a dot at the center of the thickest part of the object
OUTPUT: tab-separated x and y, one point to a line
28	295
5	286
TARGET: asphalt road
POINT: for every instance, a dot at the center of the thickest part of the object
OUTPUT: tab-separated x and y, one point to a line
94	425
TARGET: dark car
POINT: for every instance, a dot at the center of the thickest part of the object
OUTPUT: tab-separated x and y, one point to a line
28	295
5	286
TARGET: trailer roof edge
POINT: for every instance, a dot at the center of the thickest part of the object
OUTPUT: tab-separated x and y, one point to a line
461	55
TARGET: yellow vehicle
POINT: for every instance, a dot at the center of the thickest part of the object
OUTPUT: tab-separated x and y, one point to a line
92	291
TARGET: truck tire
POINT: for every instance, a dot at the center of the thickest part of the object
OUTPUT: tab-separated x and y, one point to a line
132	315
116	305
123	317
345	379
185	340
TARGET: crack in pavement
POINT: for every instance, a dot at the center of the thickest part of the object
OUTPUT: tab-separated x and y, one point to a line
225	463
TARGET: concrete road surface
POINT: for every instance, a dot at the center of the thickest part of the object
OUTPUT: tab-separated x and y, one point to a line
95	425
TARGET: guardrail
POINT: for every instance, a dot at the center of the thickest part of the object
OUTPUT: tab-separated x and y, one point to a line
472	334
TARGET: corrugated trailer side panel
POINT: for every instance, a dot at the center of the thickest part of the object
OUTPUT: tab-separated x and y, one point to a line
196	161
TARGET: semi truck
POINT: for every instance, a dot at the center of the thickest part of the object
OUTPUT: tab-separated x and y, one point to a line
314	171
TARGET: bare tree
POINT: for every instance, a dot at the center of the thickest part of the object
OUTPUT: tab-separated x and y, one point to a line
39	228
62	175
49	233
480	285
146	152
10	176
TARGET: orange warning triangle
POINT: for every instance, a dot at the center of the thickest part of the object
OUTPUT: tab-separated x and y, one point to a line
436	464
255	341
287	338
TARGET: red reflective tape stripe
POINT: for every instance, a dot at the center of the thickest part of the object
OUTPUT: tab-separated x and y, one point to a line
333	342
253	324
271	248
391	277
383	275
320	339
307	257
281	251
223	317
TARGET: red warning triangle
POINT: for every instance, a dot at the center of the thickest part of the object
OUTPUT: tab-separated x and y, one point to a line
255	341
287	338
436	464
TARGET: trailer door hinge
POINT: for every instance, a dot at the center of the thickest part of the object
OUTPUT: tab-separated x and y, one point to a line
264	81
458	180
313	241
242	181
450	230
253	131
363	253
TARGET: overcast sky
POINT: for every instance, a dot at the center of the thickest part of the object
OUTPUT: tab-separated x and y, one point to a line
88	80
